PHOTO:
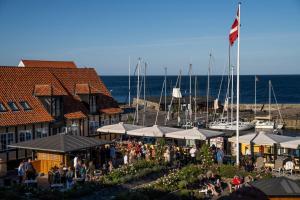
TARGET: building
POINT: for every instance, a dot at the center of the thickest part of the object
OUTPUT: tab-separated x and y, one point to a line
43	98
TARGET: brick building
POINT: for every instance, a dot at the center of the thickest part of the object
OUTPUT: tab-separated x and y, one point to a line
43	98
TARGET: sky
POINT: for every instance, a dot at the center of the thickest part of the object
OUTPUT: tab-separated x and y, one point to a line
165	33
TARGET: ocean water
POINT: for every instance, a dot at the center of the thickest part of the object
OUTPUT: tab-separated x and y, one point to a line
286	87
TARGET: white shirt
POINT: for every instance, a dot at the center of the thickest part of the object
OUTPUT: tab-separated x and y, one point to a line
125	159
75	161
193	152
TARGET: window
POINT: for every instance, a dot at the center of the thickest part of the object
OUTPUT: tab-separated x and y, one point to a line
93	105
94	125
25	105
2	108
41	132
6	139
13	106
25	135
74	129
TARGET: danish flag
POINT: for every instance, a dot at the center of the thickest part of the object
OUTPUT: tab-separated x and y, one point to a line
234	32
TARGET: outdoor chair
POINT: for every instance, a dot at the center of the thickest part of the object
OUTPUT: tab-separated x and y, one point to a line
278	166
289	167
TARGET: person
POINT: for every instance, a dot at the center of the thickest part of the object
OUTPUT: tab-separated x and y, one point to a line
69	177
21	172
75	161
220	156
91	170
167	155
193	151
236	182
30	171
112	153
125	158
247	151
83	171
110	166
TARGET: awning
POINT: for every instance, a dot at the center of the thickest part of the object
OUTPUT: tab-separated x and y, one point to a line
152	131
194	134
118	128
294	143
111	111
61	143
75	115
261	138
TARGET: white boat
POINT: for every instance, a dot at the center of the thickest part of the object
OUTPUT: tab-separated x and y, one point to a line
266	123
223	124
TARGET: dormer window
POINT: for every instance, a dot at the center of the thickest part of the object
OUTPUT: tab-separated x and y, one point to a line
13	106
25	105
2	108
93	104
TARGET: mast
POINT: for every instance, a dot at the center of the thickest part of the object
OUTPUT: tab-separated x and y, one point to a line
178	115
207	93
190	108
270	85
166	89
255	96
195	106
238	90
129	82
144	94
138	91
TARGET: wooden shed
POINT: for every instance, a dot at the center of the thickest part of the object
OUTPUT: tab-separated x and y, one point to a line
53	150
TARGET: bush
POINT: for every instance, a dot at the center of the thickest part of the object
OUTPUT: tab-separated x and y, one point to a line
205	156
227	171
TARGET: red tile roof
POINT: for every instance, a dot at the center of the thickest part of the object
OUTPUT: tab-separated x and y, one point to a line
48	64
28	83
75	115
111	111
42	90
18	84
82	88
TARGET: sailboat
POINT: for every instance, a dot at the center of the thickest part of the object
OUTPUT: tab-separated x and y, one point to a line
266	123
224	123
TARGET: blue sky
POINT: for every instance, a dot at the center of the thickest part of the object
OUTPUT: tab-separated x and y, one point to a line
165	33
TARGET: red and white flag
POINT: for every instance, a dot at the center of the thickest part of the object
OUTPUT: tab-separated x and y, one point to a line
234	29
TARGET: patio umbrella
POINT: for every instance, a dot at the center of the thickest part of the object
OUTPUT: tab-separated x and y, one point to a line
152	131
194	134
120	128
293	143
261	138
244	139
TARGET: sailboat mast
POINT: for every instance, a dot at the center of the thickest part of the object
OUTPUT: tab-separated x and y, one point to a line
129	82
138	91
166	89
190	107
238	90
270	85
178	116
144	94
207	93
195	106
255	96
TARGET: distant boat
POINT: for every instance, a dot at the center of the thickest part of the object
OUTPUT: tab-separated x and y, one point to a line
266	122
223	124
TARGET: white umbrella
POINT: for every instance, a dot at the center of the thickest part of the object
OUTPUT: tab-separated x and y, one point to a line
194	134
152	131
293	143
244	139
261	138
120	128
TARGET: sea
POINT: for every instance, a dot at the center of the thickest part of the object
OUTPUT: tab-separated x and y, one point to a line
285	87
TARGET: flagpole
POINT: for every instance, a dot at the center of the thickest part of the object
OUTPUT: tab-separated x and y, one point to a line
238	90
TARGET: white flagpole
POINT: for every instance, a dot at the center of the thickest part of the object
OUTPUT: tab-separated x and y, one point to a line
238	91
